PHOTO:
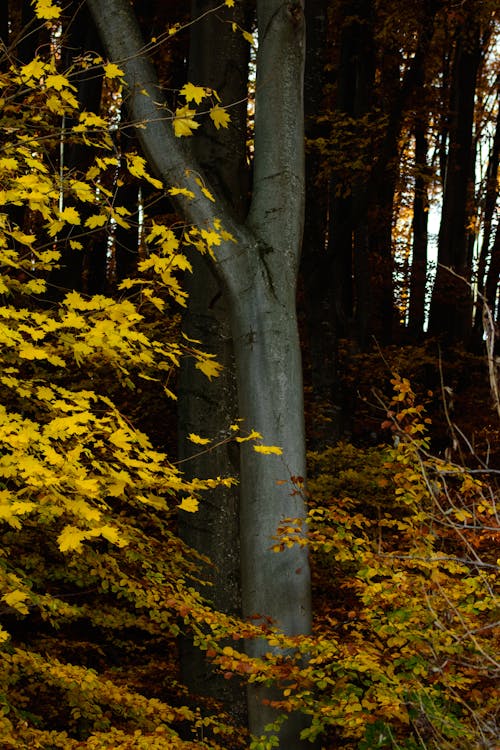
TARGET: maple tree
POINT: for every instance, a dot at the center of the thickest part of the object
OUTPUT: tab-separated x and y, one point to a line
77	479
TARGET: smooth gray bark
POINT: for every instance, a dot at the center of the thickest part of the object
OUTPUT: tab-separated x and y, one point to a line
259	274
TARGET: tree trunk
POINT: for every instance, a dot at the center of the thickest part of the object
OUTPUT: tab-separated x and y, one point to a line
209	407
490	202
259	274
451	314
418	276
492	279
317	287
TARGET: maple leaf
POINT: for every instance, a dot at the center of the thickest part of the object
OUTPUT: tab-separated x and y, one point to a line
193	93
209	368
183	121
8	164
211	237
98	220
189	504
229	3
83	191
219	117
248	36
70	215
28	351
45	10
120	438
112	535
268	449
58	82
254	435
198	440
16	599
34	69
112	71
136	165
181	191
71	538
206	192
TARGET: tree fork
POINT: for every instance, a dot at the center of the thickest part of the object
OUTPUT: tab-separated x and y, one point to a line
261	301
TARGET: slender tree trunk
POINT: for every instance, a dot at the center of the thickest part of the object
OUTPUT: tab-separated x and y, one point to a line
259	274
490	202
492	278
418	275
84	270
317	285
450	313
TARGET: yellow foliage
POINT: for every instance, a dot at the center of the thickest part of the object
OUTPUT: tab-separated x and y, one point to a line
112	71
268	450
86	502
220	117
184	124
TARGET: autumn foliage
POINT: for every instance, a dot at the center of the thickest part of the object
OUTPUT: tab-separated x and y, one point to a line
95	584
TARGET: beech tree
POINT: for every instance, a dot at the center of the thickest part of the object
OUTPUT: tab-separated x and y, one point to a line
257	261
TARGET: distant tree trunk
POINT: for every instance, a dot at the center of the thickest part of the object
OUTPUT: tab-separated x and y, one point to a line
490	202
451	311
259	274
317	293
418	275
348	232
84	270
492	279
397	91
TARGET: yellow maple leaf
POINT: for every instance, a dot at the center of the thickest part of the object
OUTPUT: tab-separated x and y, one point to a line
71	538
181	191
112	535
58	82
219	117
211	237
229	3
189	504
34	69
183	121
254	435
136	165
25	239
121	439
206	192
28	351
198	440
70	215
248	36
112	71
83	191
44	9
16	600
98	220
194	93
209	368
44	393
8	163
268	449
